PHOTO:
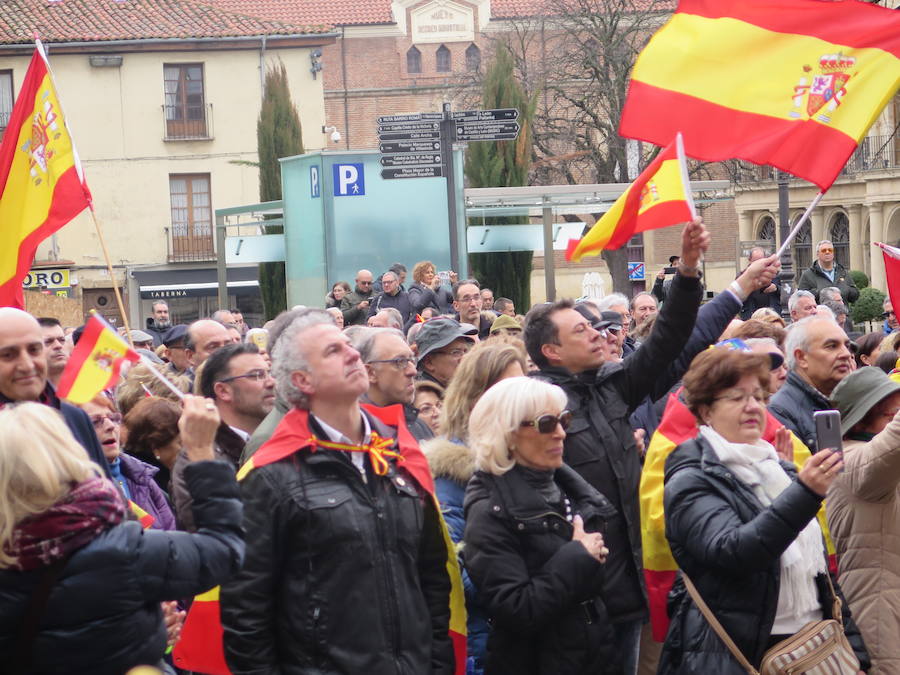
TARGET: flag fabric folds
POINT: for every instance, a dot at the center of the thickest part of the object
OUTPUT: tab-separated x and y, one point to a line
677	426
659	197
95	362
41	183
892	271
201	646
791	83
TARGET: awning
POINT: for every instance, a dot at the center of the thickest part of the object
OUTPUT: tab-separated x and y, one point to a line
166	284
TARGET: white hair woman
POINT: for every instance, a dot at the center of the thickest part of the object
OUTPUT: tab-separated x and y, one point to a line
533	544
81	585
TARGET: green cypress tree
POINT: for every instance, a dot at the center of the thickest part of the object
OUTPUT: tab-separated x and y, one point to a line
278	134
503	164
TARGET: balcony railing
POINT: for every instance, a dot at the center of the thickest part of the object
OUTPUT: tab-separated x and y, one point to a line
875	153
195	244
187	123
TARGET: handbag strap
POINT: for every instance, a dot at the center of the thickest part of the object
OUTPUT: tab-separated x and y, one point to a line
836	603
716	626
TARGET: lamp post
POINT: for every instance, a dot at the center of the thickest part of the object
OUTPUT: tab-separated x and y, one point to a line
784	229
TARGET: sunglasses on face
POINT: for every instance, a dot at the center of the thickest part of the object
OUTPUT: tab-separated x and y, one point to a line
887	314
826	250
546	424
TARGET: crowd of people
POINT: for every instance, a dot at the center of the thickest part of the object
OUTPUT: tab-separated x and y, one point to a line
314	469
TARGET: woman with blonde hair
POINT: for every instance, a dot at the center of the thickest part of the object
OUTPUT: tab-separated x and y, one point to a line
534	546
421	294
452	462
81	585
768	315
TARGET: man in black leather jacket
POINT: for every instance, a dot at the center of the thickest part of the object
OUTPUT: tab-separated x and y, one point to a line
346	566
600	444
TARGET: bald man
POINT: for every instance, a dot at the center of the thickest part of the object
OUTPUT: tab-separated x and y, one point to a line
355	305
204	337
23	377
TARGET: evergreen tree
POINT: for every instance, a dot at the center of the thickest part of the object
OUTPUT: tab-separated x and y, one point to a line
503	164
278	134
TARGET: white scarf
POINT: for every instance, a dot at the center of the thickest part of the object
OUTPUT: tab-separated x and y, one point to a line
757	466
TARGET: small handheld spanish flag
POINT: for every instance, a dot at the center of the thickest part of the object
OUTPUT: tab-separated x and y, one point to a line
659	197
95	362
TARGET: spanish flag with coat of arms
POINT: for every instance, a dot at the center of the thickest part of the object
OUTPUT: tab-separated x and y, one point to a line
41	183
659	197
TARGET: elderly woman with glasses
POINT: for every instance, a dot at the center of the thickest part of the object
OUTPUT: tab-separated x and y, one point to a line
134	477
533	542
742	524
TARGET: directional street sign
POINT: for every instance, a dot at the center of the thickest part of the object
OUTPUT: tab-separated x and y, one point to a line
410	146
409	126
485	136
484	115
412	172
410	160
488	128
410	136
412	117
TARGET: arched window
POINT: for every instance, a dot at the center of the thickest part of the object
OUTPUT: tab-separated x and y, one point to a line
802	246
443	59
840	237
413	60
473	59
767	231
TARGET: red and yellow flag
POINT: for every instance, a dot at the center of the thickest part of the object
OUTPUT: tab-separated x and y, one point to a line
201	646
95	362
659	197
144	518
41	184
677	426
791	83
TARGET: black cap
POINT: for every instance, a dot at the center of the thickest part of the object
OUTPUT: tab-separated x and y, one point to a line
609	319
174	334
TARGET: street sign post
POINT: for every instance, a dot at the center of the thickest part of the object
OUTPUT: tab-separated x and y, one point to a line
410	160
412	172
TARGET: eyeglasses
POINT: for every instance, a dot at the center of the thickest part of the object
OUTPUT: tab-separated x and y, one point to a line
883	316
428	408
741	397
97	420
546	424
364	283
400	363
826	250
469	298
257	375
455	353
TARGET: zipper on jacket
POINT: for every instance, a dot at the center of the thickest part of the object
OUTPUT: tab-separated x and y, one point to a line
316	657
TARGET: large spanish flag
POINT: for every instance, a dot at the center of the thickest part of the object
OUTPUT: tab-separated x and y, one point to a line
659	197
95	362
201	647
41	184
791	83
677	426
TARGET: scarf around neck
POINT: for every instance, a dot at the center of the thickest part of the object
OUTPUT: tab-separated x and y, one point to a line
88	509
757	466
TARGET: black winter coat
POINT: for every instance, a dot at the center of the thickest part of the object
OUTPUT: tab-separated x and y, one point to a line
730	546
399	301
543	591
341	576
600	443
794	405
420	297
814	280
103	615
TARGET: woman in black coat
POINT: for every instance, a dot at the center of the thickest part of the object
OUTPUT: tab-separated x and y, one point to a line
64	527
533	544
421	294
741	523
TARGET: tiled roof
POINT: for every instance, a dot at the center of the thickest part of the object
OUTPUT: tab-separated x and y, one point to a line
331	12
101	20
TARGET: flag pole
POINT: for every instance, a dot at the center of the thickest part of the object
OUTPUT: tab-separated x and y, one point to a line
162	378
800	223
112	275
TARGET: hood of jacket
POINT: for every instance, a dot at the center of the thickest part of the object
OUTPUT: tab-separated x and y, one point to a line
449	459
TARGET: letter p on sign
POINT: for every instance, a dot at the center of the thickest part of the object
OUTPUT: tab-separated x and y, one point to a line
349	180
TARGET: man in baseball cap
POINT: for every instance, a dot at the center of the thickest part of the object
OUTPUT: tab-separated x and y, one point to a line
440	345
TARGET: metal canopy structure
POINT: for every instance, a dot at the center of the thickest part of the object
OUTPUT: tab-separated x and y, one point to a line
549	202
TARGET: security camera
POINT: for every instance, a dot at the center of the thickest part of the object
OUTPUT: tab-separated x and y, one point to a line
335	136
316	53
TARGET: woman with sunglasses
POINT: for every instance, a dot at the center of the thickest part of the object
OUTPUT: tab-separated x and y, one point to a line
533	542
742	525
134	477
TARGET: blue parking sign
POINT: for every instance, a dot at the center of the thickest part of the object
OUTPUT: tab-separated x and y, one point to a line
349	180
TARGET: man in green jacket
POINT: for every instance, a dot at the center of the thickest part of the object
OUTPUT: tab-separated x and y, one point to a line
825	272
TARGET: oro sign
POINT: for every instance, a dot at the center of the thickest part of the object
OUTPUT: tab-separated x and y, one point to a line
49	278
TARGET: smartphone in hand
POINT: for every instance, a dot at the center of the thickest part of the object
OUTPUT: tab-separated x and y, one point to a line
828	430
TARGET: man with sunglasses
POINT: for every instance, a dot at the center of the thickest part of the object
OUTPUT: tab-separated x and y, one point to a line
355	305
890	319
826	272
237	378
391	366
600	444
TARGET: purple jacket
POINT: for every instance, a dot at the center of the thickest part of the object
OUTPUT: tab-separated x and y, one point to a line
146	493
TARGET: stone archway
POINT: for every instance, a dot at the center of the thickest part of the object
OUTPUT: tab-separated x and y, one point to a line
838	231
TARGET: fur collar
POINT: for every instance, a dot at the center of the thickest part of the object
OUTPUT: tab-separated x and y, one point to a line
449	460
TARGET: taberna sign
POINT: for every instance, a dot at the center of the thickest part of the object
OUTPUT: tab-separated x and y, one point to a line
47	278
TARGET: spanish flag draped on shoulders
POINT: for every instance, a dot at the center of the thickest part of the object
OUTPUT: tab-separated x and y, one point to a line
393	454
677	426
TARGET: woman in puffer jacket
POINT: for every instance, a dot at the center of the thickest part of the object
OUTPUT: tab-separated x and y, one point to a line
80	583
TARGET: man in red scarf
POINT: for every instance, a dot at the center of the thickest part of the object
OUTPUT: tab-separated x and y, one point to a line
346	565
